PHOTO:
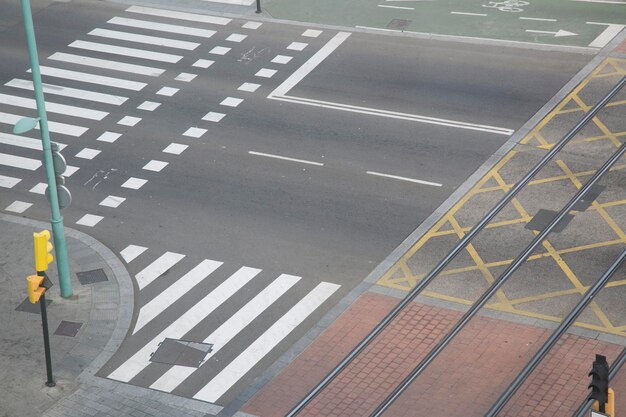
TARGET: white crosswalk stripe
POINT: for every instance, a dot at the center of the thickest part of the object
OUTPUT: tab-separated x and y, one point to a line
108	64
149	40
129	52
52	107
92	78
54	127
179	15
19	162
70	92
156	268
24	142
162	27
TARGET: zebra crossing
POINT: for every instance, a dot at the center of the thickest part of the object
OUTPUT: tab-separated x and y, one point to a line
249	293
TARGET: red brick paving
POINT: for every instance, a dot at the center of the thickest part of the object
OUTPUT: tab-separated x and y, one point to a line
464	380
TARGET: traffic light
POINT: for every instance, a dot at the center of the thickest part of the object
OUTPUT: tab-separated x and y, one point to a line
35	290
42	249
600	381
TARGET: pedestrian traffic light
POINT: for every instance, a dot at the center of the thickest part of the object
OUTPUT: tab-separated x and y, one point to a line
42	249
600	381
35	290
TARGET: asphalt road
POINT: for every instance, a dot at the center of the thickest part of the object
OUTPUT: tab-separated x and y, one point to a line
326	214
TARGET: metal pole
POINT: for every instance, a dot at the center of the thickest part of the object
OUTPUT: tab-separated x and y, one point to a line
554	337
455	251
517	262
46	340
56	220
258	6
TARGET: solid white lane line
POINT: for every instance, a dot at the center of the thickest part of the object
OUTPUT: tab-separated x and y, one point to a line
395	177
169	296
192	317
108	64
131	252
469	14
396	7
8	182
64	109
148	40
284	158
24	142
230	328
70	92
242	364
538	18
162	27
19	162
131	52
54	127
157	268
179	15
607	35
603	1
92	78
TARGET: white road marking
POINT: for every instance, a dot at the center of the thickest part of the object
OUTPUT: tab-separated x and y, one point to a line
175	148
236	37
257	350
112	201
17	206
70	170
231	102
602	1
131	252
252	25
203	63
194	132
179	15
155	165
395	177
19	162
607	35
134	183
237	2
230	328
52	107
213	116
538	18
297	46
54	127
40	188
169	296
266	73
219	50
312	33
70	92
8	182
396	7
108	64
167	91
302	161
157	268
558	34
249	87
92	78
148	105
129	121
281	59
87	153
144	39
162	27
24	142
89	220
109	137
203	308
469	14
131	52
185	77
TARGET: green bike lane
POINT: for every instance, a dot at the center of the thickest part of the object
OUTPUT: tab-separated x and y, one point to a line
582	23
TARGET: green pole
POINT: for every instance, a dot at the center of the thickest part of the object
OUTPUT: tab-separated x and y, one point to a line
56	220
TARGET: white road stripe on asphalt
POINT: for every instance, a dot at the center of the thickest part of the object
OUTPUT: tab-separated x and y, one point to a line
469	14
168	297
70	92
607	34
396	7
108	64
179	15
131	52
92	78
54	127
24	142
8	182
230	328
284	158
395	177
162	27
148	40
242	364
538	18
72	111
157	268
131	252
19	162
203	308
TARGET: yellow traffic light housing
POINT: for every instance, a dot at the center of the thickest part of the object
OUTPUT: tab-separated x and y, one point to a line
42	249
35	290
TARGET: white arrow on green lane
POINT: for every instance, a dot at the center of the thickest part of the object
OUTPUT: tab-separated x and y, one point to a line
558	34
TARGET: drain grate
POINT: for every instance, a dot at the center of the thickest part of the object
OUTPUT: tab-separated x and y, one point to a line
91	277
543	217
398	24
181	352
28	307
68	328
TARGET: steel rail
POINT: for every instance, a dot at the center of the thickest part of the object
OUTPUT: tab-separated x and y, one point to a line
554	337
482	300
455	251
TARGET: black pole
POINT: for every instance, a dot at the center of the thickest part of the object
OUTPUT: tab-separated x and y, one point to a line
258	6
46	340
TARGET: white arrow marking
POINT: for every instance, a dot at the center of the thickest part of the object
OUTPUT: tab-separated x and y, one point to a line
558	34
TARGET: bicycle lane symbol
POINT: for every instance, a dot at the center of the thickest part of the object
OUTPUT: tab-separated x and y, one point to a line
507	5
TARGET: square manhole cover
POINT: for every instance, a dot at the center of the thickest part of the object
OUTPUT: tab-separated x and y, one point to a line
181	352
91	277
28	307
400	24
68	328
543	217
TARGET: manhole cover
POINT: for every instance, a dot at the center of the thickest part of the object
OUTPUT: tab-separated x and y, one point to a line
28	307
68	328
398	24
91	277
543	217
181	352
